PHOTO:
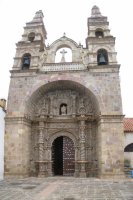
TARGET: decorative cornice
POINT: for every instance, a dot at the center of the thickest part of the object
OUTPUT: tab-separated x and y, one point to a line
23	71
110	118
19	120
66	66
110	66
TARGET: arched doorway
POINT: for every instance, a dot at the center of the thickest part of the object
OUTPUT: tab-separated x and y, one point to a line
63	156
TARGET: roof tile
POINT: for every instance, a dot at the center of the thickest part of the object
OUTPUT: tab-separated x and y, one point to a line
128	124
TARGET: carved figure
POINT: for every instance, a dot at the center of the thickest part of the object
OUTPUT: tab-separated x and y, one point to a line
63	110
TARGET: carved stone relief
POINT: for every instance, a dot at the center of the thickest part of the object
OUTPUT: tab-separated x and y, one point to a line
61	110
66	102
83	136
42	58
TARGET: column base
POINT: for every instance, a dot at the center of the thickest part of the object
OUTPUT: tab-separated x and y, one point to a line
82	174
82	167
42	175
42	168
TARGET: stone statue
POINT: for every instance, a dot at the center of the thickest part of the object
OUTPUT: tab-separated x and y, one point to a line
63	110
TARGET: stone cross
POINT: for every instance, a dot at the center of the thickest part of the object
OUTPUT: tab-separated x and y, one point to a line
63	55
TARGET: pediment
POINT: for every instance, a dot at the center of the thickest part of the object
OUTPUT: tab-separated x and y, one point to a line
64	42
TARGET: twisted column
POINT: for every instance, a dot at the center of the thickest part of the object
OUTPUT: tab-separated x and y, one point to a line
42	164
82	140
73	105
51	106
41	145
41	153
82	137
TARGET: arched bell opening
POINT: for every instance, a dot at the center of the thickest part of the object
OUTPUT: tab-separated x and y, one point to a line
31	36
99	33
102	57
26	59
63	156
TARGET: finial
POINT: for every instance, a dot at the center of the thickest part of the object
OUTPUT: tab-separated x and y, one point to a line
38	16
95	11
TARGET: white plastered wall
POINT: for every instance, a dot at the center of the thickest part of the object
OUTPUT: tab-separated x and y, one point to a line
129	140
2	128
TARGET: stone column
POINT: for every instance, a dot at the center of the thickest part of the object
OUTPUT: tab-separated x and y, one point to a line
41	152
73	105
41	162
82	161
76	173
51	106
82	140
50	173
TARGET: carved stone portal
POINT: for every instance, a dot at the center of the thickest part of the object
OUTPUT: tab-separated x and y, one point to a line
62	134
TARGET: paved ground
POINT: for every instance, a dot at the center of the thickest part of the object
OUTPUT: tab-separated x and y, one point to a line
66	188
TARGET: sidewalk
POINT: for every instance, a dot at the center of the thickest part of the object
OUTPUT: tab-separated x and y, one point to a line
66	188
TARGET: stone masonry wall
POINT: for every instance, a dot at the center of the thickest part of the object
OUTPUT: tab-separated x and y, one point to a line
111	147
17	148
105	86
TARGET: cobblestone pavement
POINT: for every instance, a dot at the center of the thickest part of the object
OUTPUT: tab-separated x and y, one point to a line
66	188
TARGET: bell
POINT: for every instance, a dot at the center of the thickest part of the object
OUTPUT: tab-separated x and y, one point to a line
101	60
26	62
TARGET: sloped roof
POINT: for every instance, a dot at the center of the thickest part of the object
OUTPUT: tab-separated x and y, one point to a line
128	124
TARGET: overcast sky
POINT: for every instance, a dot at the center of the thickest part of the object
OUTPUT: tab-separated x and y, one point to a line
69	16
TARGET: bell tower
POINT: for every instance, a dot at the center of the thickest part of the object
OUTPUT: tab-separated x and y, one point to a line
31	44
100	43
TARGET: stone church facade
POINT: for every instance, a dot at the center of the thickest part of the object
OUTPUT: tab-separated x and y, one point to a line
65	118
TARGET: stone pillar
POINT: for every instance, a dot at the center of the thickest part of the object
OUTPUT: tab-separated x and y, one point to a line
41	162
82	140
73	105
48	149
82	162
51	106
76	173
41	152
110	147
